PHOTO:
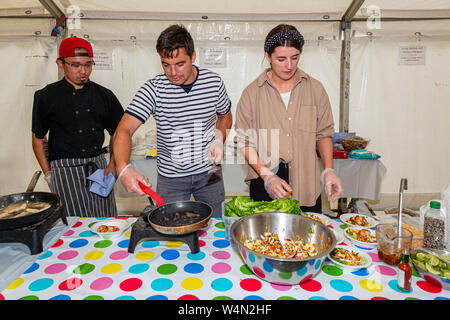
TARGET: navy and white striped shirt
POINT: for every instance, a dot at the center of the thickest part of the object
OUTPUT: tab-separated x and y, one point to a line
185	121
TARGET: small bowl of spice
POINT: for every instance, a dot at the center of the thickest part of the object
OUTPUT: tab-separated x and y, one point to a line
110	229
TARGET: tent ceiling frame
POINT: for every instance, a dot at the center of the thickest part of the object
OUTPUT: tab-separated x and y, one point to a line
323	16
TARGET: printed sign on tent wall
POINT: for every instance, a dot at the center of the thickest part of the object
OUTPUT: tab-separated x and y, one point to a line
411	55
213	57
103	60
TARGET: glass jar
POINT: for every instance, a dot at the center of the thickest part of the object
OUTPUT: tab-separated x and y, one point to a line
434	227
391	245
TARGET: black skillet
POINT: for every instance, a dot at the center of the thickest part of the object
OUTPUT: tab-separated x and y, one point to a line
28	195
163	218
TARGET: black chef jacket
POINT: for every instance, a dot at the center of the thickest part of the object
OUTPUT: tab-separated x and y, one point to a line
75	119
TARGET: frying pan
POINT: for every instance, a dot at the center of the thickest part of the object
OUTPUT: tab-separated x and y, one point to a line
163	210
28	195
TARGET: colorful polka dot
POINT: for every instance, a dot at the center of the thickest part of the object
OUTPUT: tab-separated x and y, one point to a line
311	285
32	268
220	244
250	284
79	243
174	244
393	285
41	284
167	269
119	255
384	270
55	268
111	268
150	244
371	285
131	284
341	285
170	254
70	284
221	255
84	268
101	283
196	256
428	287
192	283
193	268
221	267
188	297
138	268
161	284
281	287
221	284
145	255
15	284
67	255
332	270
103	244
94	255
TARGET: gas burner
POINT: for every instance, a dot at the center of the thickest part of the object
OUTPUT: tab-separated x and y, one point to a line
142	230
33	235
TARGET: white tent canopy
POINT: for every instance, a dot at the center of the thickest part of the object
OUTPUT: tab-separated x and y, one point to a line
402	108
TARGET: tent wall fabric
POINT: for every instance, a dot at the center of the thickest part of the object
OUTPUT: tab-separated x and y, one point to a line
398	101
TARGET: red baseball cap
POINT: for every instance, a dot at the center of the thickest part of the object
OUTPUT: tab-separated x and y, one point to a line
68	45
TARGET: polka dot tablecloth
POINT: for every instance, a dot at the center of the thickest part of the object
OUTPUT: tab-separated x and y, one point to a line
81	265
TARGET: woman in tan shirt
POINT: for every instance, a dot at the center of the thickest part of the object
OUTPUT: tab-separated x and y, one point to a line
283	122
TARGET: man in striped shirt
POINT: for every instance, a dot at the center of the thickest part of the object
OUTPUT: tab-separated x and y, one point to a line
192	112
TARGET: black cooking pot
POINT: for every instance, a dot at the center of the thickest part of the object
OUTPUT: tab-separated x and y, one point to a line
29	195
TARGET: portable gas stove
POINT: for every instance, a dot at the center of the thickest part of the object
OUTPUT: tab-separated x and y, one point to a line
142	230
33	235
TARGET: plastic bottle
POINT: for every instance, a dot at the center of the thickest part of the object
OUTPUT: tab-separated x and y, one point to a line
404	274
445	199
434	227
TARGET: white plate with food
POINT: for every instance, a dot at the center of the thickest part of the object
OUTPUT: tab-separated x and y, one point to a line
349	257
319	217
362	237
358	220
110	228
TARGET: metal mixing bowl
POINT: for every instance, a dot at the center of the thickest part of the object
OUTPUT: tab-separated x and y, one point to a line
284	271
436	280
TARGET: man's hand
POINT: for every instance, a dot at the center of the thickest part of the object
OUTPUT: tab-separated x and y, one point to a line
276	187
130	179
216	151
48	178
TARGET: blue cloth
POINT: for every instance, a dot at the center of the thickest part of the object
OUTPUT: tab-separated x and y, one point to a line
363	154
102	185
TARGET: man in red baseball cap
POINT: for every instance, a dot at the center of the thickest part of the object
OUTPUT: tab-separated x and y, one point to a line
75	111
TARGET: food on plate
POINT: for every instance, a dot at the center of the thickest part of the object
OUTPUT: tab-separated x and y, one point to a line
347	257
363	235
241	206
104	228
358	220
272	246
438	265
23	208
317	218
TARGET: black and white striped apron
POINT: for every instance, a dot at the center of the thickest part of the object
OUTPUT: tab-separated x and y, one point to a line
69	181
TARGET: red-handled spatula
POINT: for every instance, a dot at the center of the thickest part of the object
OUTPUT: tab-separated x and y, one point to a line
159	200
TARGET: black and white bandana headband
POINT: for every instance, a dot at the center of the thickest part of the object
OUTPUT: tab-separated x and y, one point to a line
283	35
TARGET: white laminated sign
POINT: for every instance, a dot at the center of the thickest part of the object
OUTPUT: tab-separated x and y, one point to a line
213	57
412	55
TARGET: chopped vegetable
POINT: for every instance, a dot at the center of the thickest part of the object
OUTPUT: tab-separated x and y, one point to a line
241	206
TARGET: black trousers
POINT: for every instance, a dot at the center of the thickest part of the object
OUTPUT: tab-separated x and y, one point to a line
259	193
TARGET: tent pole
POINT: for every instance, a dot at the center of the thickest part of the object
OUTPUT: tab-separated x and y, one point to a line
344	96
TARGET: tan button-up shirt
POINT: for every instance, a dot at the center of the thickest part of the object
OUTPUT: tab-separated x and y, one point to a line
289	136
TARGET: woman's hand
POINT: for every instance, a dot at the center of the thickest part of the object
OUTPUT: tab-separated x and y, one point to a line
333	185
276	187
